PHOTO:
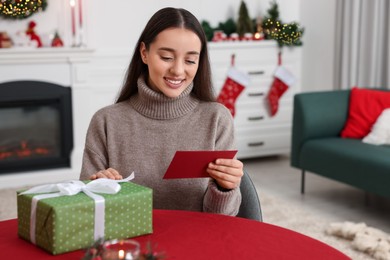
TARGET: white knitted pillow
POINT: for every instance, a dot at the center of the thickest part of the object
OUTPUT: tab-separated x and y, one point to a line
380	132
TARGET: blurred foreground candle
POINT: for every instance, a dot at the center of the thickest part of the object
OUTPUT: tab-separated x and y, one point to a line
127	249
121	254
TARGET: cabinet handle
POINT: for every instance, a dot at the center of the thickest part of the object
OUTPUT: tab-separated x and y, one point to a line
254	118
256	144
258	72
255	94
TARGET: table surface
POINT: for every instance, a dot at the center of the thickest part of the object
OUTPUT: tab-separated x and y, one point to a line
195	235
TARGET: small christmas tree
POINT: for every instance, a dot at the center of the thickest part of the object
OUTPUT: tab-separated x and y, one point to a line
270	18
244	23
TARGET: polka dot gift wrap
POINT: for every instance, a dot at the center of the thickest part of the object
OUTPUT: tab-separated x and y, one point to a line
66	223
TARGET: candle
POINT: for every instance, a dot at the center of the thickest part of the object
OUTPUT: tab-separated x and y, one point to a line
127	249
80	13
72	6
121	254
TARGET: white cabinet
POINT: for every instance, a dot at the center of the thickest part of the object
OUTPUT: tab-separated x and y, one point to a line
257	133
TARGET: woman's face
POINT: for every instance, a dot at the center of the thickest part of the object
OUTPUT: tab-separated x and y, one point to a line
173	60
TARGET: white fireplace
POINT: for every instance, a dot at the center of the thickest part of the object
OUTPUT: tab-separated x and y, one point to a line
69	67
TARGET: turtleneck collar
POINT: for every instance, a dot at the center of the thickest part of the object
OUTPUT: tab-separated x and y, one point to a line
156	105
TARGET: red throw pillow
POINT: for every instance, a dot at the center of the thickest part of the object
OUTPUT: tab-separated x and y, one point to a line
365	105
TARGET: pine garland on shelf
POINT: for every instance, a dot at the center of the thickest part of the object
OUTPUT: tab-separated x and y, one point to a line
21	9
285	34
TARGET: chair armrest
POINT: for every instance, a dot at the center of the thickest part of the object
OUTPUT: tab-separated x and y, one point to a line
317	115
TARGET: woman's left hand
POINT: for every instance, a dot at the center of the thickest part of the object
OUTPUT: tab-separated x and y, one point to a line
226	172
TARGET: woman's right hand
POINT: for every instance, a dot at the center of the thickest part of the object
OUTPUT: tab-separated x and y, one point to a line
109	173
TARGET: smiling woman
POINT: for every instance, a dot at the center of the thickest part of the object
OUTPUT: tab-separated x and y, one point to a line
166	105
173	68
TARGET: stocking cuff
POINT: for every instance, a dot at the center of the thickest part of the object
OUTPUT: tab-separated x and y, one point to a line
238	76
284	75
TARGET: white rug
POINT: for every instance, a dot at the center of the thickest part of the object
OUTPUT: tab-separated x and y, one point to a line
294	217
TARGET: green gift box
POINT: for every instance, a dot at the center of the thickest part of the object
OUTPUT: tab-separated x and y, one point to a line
67	223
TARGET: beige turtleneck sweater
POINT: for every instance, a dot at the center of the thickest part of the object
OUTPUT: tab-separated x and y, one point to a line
143	134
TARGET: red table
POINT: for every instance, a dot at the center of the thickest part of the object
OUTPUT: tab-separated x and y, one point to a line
194	235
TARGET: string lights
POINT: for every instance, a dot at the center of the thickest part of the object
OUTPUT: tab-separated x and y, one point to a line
284	34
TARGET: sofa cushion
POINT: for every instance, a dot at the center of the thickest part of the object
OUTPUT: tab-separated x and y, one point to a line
380	133
365	105
351	161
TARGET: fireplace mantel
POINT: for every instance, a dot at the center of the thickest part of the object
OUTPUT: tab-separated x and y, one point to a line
65	66
44	55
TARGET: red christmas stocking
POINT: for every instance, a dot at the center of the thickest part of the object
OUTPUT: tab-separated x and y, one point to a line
282	80
234	84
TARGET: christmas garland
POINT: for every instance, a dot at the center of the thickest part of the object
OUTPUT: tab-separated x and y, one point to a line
288	34
21	9
272	28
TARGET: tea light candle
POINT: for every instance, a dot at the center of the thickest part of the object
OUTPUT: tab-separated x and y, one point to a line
121	249
121	254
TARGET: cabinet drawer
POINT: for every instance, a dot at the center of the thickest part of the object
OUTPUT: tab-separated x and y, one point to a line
254	70
255	85
255	104
260	117
257	91
258	95
263	145
258	86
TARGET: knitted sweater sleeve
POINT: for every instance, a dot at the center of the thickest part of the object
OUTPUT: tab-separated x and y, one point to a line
95	155
216	200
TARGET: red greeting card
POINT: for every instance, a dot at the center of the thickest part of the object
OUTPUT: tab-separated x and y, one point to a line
193	164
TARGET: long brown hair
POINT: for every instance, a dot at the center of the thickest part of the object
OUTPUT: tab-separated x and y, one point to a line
163	19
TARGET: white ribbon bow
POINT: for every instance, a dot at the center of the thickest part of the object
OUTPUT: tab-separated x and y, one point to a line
74	187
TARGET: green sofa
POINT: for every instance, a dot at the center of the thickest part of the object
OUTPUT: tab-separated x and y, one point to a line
317	147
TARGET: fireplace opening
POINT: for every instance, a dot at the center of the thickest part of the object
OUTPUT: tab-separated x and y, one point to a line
36	130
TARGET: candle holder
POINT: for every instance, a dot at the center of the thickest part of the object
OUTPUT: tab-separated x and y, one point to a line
74	44
81	38
126	249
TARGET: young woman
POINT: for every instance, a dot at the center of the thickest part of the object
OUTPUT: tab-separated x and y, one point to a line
167	104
